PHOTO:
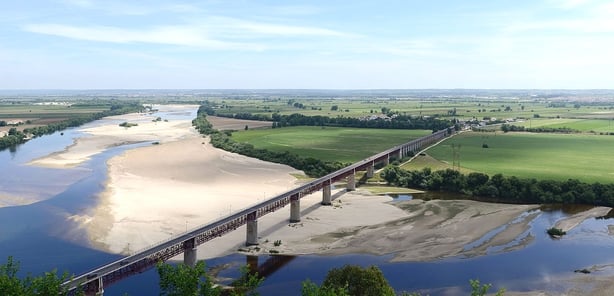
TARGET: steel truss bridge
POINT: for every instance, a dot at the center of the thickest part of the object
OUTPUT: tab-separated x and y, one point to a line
92	281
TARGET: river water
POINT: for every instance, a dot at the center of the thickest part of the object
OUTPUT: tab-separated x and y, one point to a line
42	237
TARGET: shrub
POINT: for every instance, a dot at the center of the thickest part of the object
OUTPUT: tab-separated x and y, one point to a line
556	231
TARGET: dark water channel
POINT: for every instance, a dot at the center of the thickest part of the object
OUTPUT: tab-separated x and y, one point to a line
42	238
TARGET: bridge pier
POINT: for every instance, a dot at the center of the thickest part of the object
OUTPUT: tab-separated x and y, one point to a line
326	196
401	153
351	186
295	208
252	229
387	160
99	288
370	171
189	252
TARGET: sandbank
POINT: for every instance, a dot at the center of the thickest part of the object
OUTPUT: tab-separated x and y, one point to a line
158	191
107	133
571	222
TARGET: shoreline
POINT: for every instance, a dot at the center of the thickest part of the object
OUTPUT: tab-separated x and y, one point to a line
157	191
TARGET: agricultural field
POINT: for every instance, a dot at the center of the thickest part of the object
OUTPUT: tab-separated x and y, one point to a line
528	155
31	115
329	143
583	125
460	108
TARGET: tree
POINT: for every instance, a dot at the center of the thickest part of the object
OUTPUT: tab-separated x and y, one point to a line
12	131
247	283
47	284
185	280
359	281
311	289
246	127
334	108
480	290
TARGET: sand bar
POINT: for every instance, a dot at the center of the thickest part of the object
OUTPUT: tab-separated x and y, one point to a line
158	191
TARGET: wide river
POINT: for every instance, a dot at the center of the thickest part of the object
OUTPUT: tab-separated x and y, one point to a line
43	237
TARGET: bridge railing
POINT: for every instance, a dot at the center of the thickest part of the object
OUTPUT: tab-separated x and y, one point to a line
221	225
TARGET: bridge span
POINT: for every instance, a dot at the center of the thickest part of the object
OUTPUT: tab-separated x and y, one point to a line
93	281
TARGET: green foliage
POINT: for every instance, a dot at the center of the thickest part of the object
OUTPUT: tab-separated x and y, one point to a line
311	289
127	124
397	122
516	128
481	290
501	188
555	231
50	283
359	281
311	166
247	283
77	120
184	280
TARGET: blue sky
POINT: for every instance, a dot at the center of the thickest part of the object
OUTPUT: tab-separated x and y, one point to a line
122	44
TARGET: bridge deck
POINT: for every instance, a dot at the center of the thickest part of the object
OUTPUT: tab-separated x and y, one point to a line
144	259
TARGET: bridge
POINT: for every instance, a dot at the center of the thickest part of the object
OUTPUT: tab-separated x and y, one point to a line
93	282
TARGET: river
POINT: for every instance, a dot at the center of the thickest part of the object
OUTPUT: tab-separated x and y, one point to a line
42	237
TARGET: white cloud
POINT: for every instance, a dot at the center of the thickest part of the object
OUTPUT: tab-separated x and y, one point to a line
169	35
130	9
284	30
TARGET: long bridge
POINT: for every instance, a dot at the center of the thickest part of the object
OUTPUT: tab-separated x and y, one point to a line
92	282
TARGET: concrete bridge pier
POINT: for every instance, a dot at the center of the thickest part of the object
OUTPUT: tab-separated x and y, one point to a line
326	196
351	186
387	160
189	252
252	229
100	291
295	208
370	171
401	153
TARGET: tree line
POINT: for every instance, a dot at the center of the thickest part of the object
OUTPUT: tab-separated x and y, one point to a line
311	166
397	121
185	280
515	128
15	137
499	188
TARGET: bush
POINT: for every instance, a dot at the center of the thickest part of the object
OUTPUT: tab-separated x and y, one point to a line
555	231
358	281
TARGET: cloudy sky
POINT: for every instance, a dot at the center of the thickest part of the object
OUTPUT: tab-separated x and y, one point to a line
328	44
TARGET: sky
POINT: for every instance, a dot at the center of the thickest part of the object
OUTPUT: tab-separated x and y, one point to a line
328	44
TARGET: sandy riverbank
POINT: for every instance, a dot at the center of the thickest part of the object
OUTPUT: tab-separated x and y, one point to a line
107	133
156	191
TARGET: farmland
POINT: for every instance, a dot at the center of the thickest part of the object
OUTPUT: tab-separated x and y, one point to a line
329	143
527	155
31	115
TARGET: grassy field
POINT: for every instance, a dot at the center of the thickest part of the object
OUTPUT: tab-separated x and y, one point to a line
330	143
527	155
584	125
464	108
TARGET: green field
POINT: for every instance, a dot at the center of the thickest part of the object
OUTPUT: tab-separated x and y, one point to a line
464	108
584	125
330	143
528	155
